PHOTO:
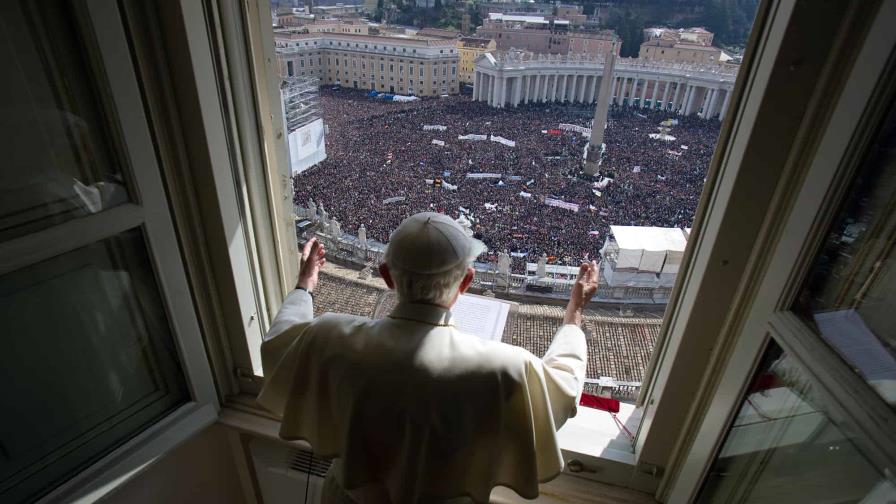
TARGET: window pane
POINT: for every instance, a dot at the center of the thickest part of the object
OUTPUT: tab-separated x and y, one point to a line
88	360
848	296
782	447
58	160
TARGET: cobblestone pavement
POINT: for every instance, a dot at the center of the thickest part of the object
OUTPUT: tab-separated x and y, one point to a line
618	347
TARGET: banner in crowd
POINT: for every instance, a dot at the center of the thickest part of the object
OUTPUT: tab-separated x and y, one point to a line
554	131
484	175
450	187
561	204
490	206
504	141
525	194
662	136
519	254
438	127
439	142
575	127
603	183
472	137
394	199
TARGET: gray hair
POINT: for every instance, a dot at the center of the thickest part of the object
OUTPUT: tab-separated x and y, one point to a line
436	288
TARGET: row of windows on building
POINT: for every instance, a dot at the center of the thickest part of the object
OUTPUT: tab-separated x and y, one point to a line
358	46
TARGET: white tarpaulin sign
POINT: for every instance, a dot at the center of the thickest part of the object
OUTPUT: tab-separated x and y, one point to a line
519	254
394	199
575	127
437	127
400	98
439	142
561	204
502	140
525	194
472	137
450	187
484	175
661	136
490	206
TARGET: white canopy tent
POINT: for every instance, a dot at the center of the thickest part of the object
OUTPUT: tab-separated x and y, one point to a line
647	249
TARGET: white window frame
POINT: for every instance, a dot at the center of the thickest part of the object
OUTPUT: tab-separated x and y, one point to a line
149	211
803	220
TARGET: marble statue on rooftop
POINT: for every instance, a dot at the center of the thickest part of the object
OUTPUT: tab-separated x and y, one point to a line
541	268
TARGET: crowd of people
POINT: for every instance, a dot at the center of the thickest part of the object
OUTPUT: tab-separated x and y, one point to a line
378	150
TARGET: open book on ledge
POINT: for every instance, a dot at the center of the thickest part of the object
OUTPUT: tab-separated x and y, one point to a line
480	316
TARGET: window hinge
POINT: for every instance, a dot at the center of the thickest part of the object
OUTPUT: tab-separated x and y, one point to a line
246	375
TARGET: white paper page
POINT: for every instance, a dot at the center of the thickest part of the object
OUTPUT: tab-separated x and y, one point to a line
481	316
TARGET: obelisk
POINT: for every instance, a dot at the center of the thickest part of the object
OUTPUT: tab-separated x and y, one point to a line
592	156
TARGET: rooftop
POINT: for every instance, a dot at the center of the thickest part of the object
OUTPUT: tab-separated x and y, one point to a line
649	238
618	347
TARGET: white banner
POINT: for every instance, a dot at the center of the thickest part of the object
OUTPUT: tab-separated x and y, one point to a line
525	194
502	140
575	127
561	204
394	199
439	142
472	137
484	175
437	127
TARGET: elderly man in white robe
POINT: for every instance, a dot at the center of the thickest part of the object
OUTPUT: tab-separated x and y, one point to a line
411	409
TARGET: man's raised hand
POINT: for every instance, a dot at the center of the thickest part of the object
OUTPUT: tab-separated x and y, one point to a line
312	260
582	292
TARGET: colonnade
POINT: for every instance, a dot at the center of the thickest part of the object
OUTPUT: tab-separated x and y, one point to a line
685	90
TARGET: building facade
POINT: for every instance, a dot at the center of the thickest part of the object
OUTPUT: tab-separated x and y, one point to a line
545	35
402	65
692	45
510	78
470	48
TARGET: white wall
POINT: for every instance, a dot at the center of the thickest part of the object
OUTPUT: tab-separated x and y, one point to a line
203	469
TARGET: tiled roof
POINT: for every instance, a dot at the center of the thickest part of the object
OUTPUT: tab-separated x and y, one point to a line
618	347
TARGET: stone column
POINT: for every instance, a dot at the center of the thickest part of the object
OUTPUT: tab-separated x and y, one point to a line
626	87
492	89
675	97
686	101
656	91
554	88
526	84
502	91
475	86
614	90
592	89
725	103
517	90
583	88
666	94
643	94
711	104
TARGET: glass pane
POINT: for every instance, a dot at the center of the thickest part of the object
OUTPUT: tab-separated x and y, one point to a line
88	362
848	296
55	136
782	447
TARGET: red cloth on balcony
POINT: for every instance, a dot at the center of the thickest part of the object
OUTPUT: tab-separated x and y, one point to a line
601	403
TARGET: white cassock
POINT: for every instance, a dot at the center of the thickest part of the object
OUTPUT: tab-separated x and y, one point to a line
415	410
